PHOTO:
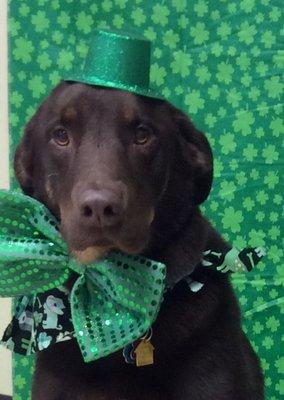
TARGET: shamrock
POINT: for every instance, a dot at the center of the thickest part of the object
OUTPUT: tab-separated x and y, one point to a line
44	61
268	39
232	8
231	219
194	101
274	232
23	49
215	15
277	126
247	5
180	5
279	364
241	178
203	74
254	93
275	254
225	72
234	97
84	22
261	68
106	5
224	30
19	381
268	342
150	34
65	59
37	86
158	74
40	21
210	120
183	21
16	99
57	37
121	3
24	9
243	61
138	16
272	323
217	49
63	19
270	154
160	14
256	237
182	62
275	14
218	167
14	27
246	79
227	190
201	8
118	21
243	122
261	197
54	78
274	87
214	92
248	203
171	39
247	33
271	179
227	143
250	152
257	327
199	33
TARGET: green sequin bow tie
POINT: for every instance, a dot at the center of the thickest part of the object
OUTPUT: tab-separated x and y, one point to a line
113	302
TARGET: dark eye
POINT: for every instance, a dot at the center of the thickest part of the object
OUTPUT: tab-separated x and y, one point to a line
142	134
61	137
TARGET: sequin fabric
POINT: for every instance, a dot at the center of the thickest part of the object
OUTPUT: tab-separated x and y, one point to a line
124	63
113	301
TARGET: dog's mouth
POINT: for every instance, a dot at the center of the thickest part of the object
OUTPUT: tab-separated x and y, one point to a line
102	248
88	250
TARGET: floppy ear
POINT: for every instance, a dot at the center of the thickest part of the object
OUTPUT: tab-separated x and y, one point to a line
195	156
24	159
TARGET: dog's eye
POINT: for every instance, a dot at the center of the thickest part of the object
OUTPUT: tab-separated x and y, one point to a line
61	137
142	134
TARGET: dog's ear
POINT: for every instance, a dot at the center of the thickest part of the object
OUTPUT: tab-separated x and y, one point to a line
194	156
24	158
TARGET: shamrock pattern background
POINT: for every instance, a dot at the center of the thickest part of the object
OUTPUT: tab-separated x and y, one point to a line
221	62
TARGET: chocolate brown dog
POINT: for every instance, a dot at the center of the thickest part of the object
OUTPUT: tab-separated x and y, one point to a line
126	172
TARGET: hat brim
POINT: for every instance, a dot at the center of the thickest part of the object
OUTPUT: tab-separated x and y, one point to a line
114	85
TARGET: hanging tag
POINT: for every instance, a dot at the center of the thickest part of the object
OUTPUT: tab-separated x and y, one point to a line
144	353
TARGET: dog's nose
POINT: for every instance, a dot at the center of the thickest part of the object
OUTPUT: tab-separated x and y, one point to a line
102	208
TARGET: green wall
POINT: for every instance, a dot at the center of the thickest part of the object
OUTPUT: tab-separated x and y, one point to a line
221	62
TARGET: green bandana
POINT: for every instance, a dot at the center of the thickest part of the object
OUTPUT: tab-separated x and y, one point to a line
118	297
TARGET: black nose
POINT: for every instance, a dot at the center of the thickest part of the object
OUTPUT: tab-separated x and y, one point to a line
102	208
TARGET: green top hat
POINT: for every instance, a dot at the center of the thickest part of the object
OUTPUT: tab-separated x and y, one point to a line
119	61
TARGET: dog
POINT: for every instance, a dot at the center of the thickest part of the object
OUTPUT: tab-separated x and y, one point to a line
127	172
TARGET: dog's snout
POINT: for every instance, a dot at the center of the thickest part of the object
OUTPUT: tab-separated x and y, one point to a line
101	208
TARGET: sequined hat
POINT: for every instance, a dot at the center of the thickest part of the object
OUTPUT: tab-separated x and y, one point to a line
119	61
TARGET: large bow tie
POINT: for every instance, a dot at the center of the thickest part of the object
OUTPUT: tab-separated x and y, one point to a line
114	301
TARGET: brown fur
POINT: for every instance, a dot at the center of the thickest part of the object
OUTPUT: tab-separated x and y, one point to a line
110	192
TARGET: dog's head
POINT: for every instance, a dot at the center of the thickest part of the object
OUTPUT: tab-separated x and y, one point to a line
113	167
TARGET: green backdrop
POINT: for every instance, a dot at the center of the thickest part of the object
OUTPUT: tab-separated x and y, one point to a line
220	61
